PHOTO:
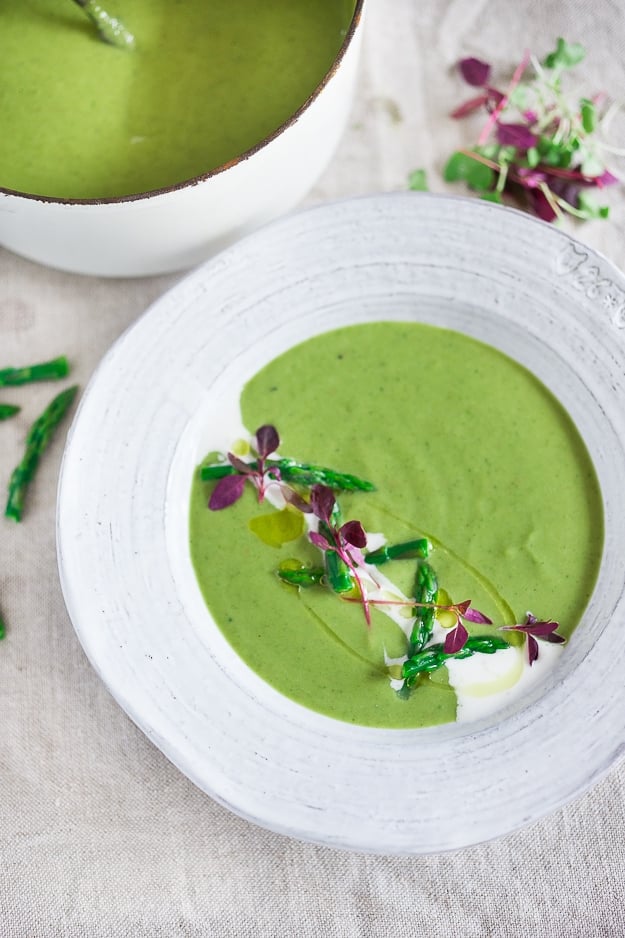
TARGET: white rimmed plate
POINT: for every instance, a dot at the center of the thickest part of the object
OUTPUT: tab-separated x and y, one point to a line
149	415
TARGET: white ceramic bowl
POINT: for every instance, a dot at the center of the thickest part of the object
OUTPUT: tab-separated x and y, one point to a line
177	227
149	416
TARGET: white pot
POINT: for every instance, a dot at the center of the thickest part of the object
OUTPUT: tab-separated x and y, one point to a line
175	228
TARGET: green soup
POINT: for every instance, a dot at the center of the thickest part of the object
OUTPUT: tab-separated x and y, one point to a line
463	445
206	82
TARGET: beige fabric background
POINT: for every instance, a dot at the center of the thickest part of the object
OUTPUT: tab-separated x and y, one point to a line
99	835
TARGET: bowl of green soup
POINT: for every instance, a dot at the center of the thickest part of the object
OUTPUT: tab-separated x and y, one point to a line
123	162
347	541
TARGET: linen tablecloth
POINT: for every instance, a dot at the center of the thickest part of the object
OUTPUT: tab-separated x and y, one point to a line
100	835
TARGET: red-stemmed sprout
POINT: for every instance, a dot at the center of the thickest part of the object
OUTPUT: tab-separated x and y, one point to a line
533	628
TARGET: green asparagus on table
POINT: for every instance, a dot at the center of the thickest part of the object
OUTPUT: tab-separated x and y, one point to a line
37	440
45	371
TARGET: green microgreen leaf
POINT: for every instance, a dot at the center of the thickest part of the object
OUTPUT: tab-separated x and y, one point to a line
492	196
532	125
592	166
587	205
565	55
490	151
417	181
588	113
462	166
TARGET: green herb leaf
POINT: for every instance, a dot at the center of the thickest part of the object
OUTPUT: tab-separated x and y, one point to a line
589	207
565	55
461	166
417	181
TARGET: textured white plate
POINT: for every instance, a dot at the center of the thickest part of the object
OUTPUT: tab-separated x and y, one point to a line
151	412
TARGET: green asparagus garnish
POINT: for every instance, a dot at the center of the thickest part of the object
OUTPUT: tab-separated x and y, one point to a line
8	410
304	474
425	591
433	657
406	551
37	440
46	371
298	574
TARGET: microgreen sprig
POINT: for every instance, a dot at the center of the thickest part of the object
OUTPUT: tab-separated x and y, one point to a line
533	629
539	146
229	488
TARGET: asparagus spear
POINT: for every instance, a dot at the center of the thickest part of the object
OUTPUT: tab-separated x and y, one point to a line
432	658
304	474
37	440
109	28
46	371
8	410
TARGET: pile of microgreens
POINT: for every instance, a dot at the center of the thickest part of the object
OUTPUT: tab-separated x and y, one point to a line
311	489
539	145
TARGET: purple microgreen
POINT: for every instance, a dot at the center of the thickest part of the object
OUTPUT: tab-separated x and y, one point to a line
474	71
531	178
474	615
494	116
532	649
469	168
535	628
468	107
295	499
456	639
227	491
353	533
541	206
605	179
322	501
240	465
516	135
267	440
320	541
